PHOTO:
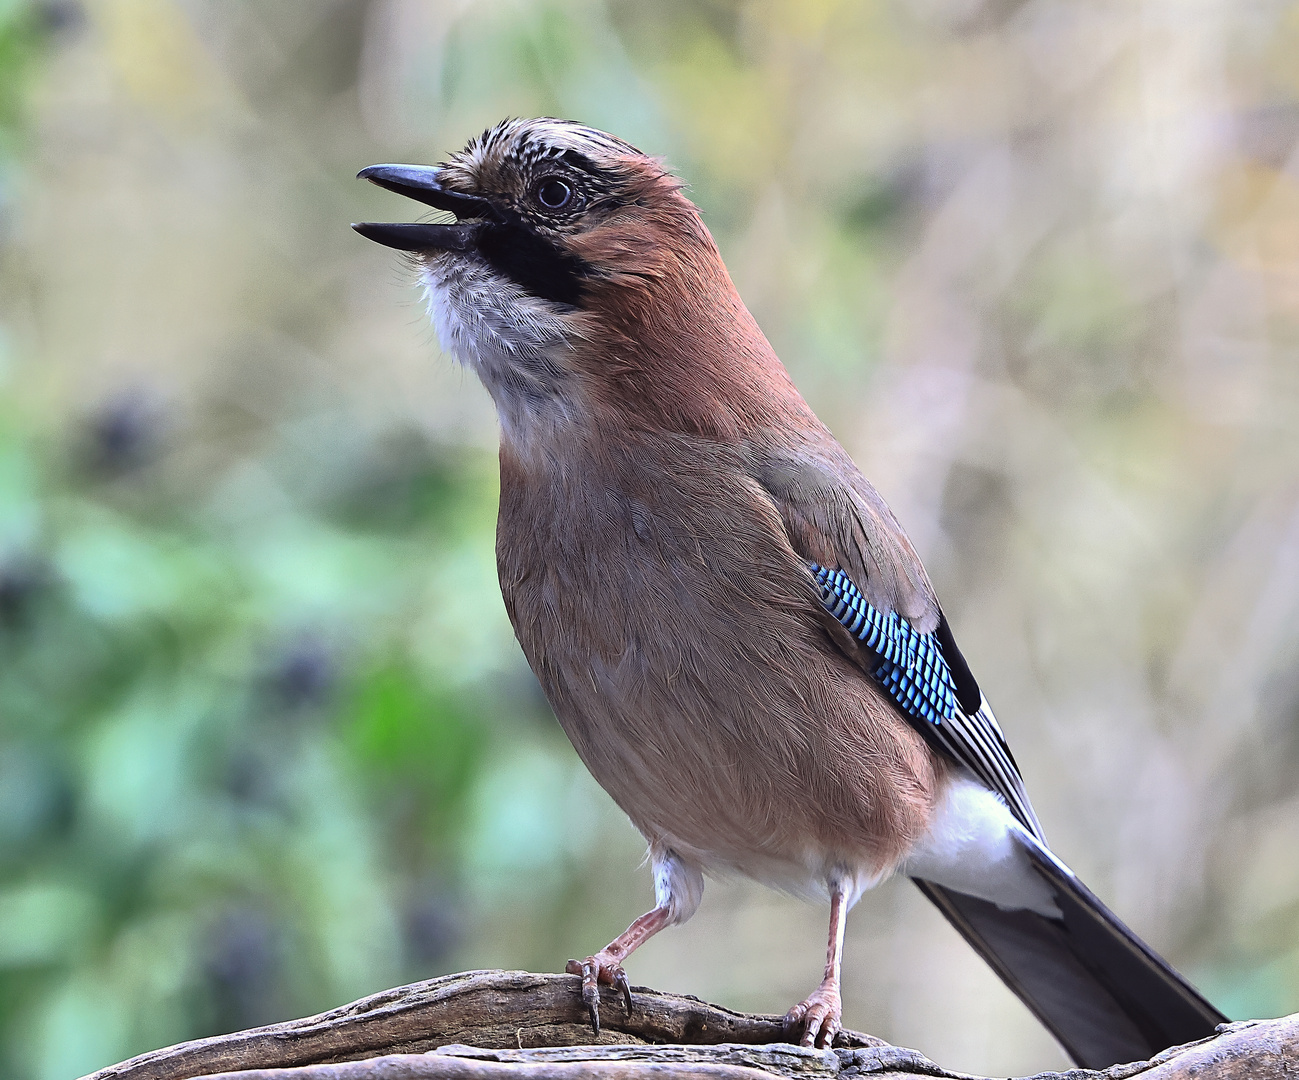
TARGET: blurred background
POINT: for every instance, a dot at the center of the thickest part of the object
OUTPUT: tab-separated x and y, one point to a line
266	741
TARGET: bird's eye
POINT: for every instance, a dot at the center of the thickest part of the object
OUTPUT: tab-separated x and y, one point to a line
554	193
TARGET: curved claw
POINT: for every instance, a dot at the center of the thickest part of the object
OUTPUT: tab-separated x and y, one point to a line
589	970
620	983
591	998
794	1022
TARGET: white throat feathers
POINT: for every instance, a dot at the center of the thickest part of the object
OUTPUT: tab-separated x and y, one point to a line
517	344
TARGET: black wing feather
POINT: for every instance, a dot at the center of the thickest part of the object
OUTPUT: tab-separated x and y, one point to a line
1097	987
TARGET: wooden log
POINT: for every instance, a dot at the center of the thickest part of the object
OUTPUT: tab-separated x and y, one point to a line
514	1025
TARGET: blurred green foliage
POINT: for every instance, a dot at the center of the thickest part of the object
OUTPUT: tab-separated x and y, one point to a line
228	792
23	32
266	742
224	817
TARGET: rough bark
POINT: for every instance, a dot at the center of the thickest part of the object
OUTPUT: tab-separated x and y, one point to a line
513	1025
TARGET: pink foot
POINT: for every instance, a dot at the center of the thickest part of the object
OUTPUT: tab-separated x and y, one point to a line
816	1020
600	968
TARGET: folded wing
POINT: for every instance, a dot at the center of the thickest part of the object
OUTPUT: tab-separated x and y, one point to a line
1097	987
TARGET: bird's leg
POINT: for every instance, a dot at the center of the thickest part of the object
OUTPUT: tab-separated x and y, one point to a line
821	1013
606	965
678	888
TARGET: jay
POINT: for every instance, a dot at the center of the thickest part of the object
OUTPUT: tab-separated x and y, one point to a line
730	624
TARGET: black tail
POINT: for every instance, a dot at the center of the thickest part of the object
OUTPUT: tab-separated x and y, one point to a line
1097	987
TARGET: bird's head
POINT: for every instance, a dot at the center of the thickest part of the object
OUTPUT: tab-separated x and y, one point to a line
575	273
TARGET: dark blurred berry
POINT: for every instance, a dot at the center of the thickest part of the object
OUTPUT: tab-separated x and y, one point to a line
433	927
305	675
248	779
404	481
243	970
122	435
21	581
36	797
64	17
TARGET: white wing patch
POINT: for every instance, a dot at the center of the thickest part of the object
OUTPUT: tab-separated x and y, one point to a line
977	847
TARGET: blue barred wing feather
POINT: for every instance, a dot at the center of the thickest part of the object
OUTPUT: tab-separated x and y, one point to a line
920	672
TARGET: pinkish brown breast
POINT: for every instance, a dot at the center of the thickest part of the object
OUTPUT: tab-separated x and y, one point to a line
676	634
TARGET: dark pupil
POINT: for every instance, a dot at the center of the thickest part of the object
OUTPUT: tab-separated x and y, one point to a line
554	193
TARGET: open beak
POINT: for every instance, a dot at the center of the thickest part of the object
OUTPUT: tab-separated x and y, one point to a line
421	182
